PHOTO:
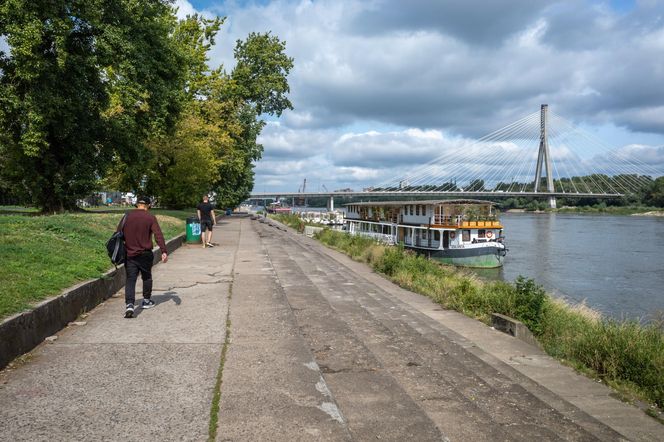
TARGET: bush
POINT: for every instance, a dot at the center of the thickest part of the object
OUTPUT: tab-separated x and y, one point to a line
529	302
390	260
291	220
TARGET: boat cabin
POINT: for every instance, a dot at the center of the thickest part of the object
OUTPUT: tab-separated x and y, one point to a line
427	225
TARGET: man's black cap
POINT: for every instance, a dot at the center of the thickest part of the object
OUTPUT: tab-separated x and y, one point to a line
143	200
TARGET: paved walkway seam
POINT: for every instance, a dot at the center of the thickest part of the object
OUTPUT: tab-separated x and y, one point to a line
216	395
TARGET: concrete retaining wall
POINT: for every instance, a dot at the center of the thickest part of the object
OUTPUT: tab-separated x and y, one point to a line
22	332
311	230
513	327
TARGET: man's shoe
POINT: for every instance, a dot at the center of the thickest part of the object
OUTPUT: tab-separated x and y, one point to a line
147	303
129	312
210	244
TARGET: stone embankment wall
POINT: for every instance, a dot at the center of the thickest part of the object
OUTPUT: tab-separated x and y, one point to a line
24	331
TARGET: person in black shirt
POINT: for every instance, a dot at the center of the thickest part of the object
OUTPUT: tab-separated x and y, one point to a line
207	219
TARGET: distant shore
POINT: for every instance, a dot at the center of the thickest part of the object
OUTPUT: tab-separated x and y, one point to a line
651	213
595	211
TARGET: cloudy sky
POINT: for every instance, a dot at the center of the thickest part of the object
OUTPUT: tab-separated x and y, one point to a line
382	86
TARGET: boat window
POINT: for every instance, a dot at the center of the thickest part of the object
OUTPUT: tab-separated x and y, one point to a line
481	233
436	235
465	235
417	209
424	234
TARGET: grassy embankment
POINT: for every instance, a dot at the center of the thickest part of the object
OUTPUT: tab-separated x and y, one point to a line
42	255
626	355
293	220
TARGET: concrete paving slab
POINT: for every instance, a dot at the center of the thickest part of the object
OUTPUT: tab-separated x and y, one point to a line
113	392
480	386
272	389
376	410
189	315
270	393
373	403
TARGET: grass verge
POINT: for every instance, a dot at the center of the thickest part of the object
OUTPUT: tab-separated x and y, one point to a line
624	354
42	255
291	220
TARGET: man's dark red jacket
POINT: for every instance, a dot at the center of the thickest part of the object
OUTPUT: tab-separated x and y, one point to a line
138	229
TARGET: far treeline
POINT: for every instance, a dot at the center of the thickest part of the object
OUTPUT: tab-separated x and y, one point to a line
638	190
119	95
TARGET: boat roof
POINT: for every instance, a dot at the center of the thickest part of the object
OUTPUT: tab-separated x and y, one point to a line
423	202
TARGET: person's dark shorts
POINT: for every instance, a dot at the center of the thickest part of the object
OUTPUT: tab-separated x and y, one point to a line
206	225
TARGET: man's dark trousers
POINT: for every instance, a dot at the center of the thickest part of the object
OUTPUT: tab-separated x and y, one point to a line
135	264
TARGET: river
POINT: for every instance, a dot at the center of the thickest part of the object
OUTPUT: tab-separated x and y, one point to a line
613	263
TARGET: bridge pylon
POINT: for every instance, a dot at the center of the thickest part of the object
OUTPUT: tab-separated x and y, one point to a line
544	158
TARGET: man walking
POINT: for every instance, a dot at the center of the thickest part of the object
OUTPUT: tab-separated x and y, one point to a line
207	219
138	227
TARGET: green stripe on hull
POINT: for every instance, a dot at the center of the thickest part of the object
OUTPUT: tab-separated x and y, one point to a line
481	261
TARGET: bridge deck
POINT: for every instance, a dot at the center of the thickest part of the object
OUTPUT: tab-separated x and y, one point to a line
405	194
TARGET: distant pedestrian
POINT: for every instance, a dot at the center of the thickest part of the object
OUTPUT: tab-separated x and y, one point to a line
207	219
139	226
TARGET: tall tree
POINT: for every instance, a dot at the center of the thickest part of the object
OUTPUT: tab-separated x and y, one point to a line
215	143
259	83
654	194
86	80
260	73
184	164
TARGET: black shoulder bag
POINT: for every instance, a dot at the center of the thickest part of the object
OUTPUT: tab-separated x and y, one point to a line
116	245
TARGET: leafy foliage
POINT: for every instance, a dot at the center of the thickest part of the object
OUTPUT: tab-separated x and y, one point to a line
529	300
260	73
85	80
119	94
214	145
654	194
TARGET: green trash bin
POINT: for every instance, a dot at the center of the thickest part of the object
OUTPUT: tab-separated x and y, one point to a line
193	230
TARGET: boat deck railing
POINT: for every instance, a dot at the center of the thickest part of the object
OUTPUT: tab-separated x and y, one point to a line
459	221
382	237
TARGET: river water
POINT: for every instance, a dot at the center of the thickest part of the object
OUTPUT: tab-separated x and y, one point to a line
613	263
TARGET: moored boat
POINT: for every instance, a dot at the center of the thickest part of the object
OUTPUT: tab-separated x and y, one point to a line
278	207
459	232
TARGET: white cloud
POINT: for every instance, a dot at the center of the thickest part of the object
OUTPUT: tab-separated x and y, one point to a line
420	76
184	8
4	46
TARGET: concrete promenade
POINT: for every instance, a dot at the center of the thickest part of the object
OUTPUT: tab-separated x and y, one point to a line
320	348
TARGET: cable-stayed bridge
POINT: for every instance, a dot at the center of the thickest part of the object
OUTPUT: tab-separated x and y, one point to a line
541	155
